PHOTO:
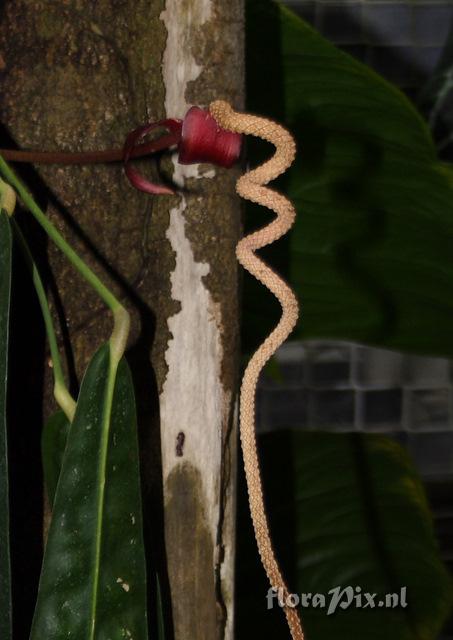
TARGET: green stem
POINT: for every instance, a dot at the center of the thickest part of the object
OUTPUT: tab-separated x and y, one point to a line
120	315
56	236
61	392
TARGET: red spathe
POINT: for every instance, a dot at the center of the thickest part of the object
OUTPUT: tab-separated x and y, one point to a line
202	140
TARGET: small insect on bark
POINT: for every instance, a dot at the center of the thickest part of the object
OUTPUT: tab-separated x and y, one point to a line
180	438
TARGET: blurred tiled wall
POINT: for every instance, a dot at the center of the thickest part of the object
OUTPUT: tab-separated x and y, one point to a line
380	32
340	386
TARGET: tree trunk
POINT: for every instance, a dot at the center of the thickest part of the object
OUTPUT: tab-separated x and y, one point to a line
78	76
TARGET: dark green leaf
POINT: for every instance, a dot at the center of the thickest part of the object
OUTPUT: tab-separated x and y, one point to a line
349	510
371	254
93	583
5	564
53	443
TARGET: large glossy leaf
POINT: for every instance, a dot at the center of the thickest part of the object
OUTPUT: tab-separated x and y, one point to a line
347	510
53	443
93	583
5	565
371	254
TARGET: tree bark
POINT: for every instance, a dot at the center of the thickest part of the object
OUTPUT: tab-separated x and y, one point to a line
78	76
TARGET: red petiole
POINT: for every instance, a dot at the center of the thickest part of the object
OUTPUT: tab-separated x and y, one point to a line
89	157
198	138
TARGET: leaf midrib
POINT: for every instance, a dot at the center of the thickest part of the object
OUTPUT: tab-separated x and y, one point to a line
105	430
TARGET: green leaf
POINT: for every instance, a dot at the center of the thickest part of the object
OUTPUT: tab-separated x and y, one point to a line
371	253
5	563
93	582
53	443
350	510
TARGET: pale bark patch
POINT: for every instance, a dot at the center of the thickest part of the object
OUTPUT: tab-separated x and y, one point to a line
195	404
192	396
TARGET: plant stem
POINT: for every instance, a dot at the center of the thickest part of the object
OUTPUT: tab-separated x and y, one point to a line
89	157
61	392
120	315
57	238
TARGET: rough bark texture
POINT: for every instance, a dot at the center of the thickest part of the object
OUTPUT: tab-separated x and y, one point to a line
78	75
